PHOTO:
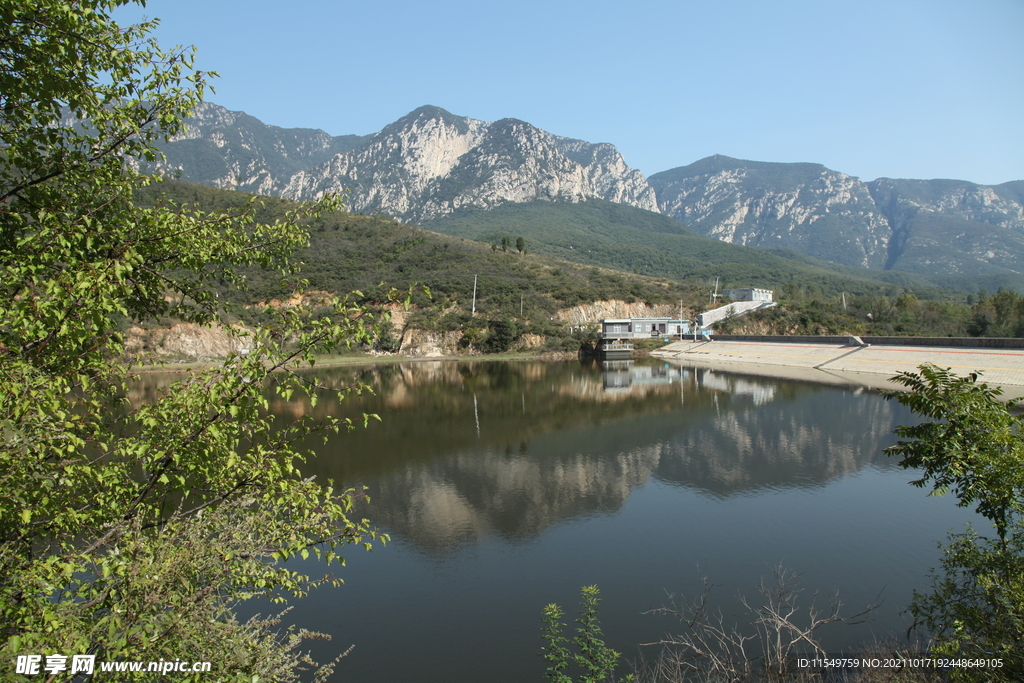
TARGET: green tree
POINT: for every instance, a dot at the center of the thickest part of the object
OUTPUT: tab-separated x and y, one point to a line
906	302
975	607
971	446
505	242
595	659
520	244
386	340
130	532
504	333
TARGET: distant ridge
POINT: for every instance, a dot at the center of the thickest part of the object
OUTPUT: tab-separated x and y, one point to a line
431	163
950	228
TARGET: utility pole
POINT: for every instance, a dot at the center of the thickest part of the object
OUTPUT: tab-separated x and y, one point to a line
474	297
844	301
520	301
680	320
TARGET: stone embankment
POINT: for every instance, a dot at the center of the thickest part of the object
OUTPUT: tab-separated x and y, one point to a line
865	360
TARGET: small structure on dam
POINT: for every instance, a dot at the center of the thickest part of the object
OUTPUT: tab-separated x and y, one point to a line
743	301
749	294
617	333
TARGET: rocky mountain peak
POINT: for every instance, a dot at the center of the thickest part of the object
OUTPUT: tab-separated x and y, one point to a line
805	207
952	227
431	163
426	164
428	116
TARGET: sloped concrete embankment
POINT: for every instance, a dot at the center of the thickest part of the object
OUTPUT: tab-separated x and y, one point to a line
999	362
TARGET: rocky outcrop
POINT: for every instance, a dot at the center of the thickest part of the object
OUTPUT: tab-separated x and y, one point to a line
425	165
431	163
426	344
584	314
900	200
232	150
191	342
186	341
950	227
805	207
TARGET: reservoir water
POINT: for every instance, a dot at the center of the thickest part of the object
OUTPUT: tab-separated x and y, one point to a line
506	486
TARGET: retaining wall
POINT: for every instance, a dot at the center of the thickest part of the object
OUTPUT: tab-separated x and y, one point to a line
962	342
1000	361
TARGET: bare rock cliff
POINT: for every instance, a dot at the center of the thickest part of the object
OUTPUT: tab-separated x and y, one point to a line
427	164
186	341
599	310
805	207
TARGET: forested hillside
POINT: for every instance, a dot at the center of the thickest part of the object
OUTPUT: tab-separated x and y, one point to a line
350	251
602	233
571	254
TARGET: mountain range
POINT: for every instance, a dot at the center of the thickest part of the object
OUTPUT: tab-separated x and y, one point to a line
431	167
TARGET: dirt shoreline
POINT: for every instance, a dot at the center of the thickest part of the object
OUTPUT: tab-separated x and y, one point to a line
334	361
715	356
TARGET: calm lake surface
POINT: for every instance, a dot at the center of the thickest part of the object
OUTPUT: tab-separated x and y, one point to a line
506	486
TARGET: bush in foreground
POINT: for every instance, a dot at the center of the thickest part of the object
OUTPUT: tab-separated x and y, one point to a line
131	532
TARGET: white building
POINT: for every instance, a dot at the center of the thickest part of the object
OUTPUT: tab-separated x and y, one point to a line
639	328
749	294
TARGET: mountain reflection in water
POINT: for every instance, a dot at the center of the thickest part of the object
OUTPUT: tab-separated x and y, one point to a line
508	485
470	449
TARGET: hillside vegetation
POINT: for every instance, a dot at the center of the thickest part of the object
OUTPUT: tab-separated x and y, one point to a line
372	253
601	233
519	293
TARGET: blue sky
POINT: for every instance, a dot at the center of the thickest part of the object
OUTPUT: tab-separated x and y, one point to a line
893	88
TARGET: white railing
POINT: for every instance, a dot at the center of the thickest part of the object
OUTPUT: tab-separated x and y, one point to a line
709	318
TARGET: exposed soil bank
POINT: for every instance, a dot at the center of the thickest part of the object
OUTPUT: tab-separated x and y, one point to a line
362	359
